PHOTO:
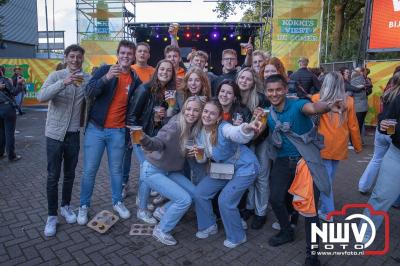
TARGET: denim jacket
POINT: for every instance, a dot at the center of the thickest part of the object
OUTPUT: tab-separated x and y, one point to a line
225	150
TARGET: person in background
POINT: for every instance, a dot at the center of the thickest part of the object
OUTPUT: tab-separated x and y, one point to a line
145	72
150	110
223	143
173	54
308	81
8	118
195	83
381	142
336	129
258	59
272	66
20	87
64	90
234	112
111	91
360	96
229	62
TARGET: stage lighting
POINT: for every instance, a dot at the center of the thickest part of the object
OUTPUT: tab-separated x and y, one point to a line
215	35
148	40
188	35
177	37
198	35
206	40
157	36
232	35
239	37
224	39
165	39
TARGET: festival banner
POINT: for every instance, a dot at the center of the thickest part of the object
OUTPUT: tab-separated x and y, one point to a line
98	53
297	31
380	74
34	71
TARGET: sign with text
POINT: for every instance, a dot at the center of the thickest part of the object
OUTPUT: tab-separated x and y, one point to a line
385	25
297	31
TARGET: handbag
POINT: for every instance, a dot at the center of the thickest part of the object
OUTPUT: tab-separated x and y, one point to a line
221	170
224	171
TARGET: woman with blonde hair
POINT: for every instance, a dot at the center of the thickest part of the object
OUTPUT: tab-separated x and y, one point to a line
252	96
164	160
336	128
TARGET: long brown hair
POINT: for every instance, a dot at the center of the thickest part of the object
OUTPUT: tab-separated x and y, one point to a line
252	101
205	85
214	131
275	61
155	85
394	89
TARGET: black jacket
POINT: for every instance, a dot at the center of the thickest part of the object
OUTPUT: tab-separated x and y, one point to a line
140	112
7	94
307	80
101	93
218	79
391	110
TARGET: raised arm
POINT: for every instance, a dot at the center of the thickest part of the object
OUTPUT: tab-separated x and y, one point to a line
51	88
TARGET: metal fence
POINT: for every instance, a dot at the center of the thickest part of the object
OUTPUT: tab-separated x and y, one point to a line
335	66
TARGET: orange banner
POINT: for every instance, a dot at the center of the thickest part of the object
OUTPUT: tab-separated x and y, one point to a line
385	25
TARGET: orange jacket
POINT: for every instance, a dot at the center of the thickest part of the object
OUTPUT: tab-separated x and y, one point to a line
303	191
336	137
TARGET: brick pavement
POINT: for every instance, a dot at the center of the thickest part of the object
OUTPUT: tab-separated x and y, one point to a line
23	213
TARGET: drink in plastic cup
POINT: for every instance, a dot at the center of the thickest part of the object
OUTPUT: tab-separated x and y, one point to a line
157	117
136	134
243	49
78	82
391	130
171	100
200	152
264	118
176	28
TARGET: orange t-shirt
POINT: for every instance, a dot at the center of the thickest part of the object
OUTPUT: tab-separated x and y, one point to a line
180	73
226	116
117	111
144	73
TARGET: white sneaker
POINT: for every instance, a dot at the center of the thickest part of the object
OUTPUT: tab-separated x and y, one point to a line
158	200
164	238
145	216
82	215
153	193
159	213
51	226
244	224
212	230
229	244
150	206
123	212
68	214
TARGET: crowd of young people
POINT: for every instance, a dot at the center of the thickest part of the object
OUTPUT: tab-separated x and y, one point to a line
228	144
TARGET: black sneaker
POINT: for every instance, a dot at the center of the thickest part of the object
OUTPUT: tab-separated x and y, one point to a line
15	158
258	222
246	214
283	237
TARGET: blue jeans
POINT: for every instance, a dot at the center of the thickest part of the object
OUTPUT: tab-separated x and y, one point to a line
173	186
144	189
228	200
368	178
387	187
126	165
96	140
328	203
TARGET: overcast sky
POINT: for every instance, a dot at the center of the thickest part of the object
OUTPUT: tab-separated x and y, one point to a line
65	15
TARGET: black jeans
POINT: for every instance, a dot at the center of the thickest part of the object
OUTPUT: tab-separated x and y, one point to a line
57	151
8	120
282	175
360	119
